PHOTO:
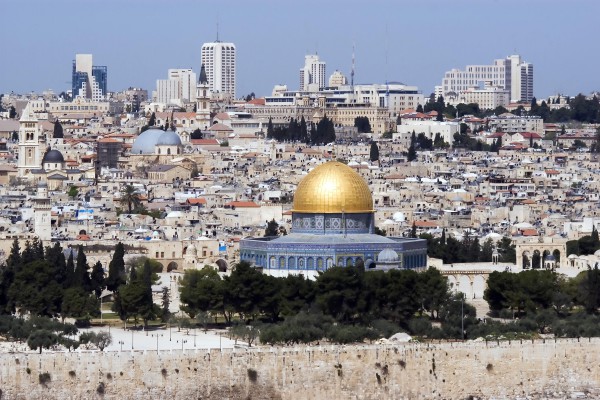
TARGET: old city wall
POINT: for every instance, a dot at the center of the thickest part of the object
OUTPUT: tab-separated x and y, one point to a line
410	371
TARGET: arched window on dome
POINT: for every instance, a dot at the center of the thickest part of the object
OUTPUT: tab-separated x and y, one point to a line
310	263
272	262
168	151
301	263
292	263
349	262
329	262
281	262
340	262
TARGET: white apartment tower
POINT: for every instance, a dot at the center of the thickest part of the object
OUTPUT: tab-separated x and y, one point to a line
180	87
312	75
511	74
219	59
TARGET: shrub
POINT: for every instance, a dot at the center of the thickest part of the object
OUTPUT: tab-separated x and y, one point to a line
252	375
100	389
72	374
420	326
44	378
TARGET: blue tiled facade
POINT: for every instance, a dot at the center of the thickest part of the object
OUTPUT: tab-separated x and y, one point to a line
321	241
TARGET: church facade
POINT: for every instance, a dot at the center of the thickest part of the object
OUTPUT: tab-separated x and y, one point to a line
332	225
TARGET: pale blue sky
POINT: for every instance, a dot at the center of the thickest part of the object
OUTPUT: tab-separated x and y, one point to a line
420	39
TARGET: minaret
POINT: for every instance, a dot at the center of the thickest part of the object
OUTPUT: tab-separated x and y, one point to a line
30	155
42	213
203	95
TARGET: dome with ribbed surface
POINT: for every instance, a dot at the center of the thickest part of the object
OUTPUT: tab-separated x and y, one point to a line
333	187
144	144
169	138
387	256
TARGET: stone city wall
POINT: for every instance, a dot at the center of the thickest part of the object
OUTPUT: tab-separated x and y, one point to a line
405	371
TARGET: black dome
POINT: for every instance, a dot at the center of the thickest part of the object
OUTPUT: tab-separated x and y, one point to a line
53	156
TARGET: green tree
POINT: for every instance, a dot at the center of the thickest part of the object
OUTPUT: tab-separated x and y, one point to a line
362	124
589	290
152	120
41	339
338	292
165	314
7	277
73	191
270	131
272	228
35	290
412	151
58	130
98	281
244	290
56	258
116	269
80	305
196	134
374	152
433	291
130	197
81	277
201	290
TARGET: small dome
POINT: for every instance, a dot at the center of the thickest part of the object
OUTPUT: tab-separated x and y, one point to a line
169	138
191	250
387	256
53	156
144	144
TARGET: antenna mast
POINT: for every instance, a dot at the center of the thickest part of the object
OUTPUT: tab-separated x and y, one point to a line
352	74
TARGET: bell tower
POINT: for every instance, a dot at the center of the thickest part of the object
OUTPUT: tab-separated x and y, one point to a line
30	154
203	95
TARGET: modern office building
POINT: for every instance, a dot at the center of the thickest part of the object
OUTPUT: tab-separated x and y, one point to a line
312	75
88	81
219	60
510	74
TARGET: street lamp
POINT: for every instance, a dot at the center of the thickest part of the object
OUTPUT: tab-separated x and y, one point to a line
131	339
182	342
121	343
157	336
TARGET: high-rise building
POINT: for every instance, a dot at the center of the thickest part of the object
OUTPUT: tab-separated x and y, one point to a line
219	60
510	74
180	87
312	75
88	81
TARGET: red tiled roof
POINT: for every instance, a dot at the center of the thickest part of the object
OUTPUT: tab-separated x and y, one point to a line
425	224
529	232
199	200
203	142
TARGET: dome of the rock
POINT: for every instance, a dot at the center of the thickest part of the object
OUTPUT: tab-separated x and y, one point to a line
333	187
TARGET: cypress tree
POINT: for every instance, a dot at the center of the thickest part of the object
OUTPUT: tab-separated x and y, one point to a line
97	279
116	269
58	130
81	275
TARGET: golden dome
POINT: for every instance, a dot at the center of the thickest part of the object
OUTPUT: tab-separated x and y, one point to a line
333	187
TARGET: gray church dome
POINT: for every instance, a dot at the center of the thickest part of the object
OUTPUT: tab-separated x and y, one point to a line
144	144
387	256
53	156
169	138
